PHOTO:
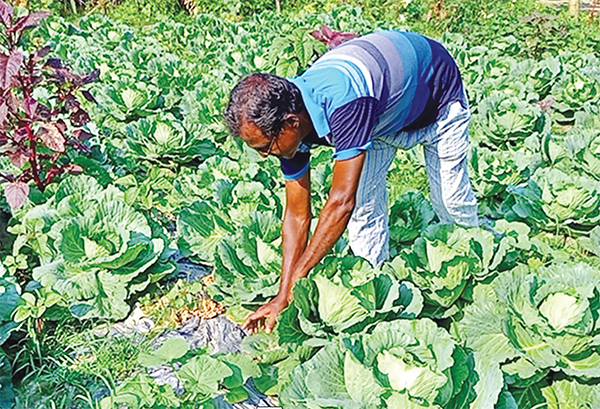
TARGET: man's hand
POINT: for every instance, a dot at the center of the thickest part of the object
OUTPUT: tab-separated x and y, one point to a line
266	316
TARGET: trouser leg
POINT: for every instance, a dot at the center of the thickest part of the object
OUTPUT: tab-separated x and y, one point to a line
446	161
368	226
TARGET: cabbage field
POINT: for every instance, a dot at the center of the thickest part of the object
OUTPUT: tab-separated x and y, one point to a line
116	172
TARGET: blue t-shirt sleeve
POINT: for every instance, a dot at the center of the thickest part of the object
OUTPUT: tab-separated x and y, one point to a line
297	166
352	127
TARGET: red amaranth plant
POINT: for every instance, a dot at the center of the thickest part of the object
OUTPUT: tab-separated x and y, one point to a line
331	37
34	134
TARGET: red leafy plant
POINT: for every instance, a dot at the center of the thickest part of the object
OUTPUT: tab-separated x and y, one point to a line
331	37
38	136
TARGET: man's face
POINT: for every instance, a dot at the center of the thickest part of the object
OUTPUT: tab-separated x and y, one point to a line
283	145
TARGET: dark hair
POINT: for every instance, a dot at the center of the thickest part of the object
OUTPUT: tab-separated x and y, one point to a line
264	100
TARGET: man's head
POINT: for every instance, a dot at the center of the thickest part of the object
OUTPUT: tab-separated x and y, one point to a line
268	113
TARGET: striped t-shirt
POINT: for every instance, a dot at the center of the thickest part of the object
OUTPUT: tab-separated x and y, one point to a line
378	84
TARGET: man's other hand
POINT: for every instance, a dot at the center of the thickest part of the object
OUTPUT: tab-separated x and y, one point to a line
266	316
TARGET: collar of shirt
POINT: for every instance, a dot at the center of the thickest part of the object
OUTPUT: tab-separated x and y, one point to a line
315	111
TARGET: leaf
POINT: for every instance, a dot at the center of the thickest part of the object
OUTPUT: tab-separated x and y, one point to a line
41	53
29	21
88	95
6	13
9	68
325	380
90	77
9	299
80	118
17	158
318	35
82	135
55	63
43	112
16	193
403	401
172	348
7	394
237	395
327	31
490	383
203	374
337	305
288	325
30	105
3	114
71	103
242	366
360	382
6	329
52	137
20	134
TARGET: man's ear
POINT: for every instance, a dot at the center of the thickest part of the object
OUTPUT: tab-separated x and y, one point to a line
292	120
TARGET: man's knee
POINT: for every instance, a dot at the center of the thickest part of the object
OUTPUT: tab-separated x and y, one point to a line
370	239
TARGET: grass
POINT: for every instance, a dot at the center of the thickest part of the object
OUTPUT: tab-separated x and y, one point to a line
568	248
407	173
70	366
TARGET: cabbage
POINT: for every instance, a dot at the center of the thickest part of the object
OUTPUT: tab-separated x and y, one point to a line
527	323
353	299
492	171
545	74
409	216
401	364
568	199
566	394
165	139
583	147
506	121
554	199
445	258
94	249
577	89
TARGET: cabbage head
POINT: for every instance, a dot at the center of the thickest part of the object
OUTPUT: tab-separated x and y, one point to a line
507	121
583	147
403	364
353	299
445	259
568	199
545	74
409	216
94	249
565	394
165	139
528	323
576	89
492	171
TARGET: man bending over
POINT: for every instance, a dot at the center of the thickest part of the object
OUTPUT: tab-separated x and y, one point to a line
366	98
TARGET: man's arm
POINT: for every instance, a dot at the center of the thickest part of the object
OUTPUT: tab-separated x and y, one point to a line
294	231
298	259
334	216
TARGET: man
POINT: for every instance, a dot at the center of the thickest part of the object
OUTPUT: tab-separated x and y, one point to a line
366	97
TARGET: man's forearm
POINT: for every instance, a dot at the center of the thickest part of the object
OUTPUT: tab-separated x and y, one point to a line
294	239
333	220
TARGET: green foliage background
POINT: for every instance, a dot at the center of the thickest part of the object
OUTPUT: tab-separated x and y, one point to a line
157	68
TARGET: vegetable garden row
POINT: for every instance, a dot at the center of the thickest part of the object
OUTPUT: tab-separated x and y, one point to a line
140	166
